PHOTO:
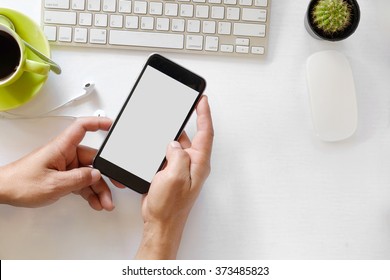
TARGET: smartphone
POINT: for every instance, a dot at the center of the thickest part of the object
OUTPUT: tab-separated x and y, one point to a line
154	114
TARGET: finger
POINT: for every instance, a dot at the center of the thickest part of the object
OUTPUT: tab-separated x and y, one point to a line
85	155
103	193
178	161
117	184
76	179
184	140
203	140
93	200
75	133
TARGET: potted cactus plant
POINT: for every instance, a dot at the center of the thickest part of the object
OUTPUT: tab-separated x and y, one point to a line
332	20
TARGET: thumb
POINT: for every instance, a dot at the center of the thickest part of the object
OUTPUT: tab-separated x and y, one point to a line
78	178
178	159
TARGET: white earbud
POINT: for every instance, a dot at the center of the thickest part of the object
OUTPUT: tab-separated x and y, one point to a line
87	89
100	113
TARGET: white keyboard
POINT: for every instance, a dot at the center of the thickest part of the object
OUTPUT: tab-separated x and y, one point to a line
216	27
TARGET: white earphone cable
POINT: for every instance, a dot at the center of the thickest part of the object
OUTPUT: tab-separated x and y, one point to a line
87	90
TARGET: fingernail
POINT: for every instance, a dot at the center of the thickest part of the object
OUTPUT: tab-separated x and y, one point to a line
96	175
175	144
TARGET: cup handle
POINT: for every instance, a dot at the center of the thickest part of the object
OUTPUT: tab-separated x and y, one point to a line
36	67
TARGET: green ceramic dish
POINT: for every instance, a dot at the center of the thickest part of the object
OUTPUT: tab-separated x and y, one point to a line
29	84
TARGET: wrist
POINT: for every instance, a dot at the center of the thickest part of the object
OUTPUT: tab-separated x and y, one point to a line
160	240
3	173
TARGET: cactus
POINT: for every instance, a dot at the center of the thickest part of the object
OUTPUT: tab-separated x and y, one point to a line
332	16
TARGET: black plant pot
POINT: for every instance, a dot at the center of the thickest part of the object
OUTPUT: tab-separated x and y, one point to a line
337	36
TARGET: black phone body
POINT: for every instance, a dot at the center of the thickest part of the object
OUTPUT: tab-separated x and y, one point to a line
154	114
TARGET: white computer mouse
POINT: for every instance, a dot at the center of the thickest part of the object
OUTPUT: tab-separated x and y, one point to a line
332	95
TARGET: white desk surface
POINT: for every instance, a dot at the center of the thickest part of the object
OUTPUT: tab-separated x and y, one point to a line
275	191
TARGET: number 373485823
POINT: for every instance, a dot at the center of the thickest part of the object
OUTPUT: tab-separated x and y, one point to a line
229	270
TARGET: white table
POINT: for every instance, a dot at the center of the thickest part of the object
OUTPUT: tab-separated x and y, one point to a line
275	191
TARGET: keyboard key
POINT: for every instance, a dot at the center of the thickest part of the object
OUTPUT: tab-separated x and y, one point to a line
109	5
57	4
247	29
193	26
245	2
217	12
194	42
125	6
171	9
162	24
186	10
50	32
94	5
132	22
224	28
140	7
261	3
254	15
85	19
60	17
242	41
155	8
242	49
80	35
178	25
101	20
146	39
116	21
233	13
78	5
209	27
211	43
230	2
202	11
98	36
227	48
65	34
147	23
257	50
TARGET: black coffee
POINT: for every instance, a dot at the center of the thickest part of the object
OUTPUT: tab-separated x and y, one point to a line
9	55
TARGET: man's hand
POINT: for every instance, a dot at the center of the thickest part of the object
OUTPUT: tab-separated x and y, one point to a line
174	189
57	169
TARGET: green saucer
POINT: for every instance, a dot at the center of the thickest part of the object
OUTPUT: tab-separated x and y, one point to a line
29	84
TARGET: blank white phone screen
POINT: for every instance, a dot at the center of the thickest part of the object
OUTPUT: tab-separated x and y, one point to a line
150	121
